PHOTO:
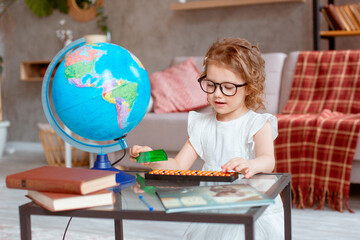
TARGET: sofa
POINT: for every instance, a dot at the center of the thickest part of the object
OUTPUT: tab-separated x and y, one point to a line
168	131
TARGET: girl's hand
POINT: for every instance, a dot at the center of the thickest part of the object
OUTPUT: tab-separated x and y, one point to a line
239	165
135	150
136	188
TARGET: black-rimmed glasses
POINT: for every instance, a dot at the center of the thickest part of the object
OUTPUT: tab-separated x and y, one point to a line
227	88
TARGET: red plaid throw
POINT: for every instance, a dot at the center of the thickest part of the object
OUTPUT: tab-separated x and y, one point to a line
319	128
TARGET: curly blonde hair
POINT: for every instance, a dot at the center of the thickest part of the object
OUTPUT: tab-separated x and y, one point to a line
242	58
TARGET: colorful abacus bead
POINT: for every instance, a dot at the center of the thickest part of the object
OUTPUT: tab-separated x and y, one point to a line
192	175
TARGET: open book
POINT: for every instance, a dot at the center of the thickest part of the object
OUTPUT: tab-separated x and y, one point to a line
194	198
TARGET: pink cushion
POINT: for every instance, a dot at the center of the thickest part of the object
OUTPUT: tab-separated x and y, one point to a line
176	89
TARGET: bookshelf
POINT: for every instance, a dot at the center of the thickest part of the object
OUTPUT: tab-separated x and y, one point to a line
192	5
330	35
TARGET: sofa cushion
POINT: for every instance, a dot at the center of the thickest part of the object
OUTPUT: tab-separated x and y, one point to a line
287	79
176	89
274	63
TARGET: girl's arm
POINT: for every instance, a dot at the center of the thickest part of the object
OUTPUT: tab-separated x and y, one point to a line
264	150
264	161
183	160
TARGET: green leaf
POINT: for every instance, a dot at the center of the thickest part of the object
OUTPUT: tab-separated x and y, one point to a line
40	7
62	6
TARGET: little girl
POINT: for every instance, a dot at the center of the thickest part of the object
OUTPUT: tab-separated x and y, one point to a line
234	137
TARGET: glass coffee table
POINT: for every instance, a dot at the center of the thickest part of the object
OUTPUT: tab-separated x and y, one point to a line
128	206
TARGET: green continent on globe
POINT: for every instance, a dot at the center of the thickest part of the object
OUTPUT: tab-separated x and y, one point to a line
123	95
80	71
127	91
80	66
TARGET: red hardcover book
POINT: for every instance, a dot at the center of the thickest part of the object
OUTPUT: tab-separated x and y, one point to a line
330	21
66	201
63	180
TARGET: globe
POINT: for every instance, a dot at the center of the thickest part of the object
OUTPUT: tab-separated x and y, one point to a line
100	92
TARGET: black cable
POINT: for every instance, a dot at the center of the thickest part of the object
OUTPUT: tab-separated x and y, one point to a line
119	158
67	226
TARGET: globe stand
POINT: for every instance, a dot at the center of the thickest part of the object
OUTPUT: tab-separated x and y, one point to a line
124	179
103	163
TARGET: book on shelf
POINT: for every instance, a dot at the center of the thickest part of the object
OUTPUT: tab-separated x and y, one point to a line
355	10
342	17
194	198
352	17
348	19
330	21
55	202
63	180
333	14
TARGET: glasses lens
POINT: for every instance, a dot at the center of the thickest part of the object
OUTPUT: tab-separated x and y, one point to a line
228	89
208	86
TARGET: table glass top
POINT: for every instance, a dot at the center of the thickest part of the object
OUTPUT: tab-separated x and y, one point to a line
128	198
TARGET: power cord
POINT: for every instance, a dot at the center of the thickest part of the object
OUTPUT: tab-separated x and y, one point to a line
67	226
119	158
117	161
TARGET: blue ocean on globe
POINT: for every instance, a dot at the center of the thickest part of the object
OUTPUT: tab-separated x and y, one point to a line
101	91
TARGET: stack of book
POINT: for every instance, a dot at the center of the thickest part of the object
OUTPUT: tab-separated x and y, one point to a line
342	17
60	188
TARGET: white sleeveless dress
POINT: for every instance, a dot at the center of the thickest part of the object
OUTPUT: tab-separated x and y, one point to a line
218	142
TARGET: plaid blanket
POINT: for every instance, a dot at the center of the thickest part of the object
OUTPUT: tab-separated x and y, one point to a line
319	128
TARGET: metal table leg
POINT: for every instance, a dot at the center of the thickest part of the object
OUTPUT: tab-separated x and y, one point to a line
249	231
118	222
287	211
25	223
119	233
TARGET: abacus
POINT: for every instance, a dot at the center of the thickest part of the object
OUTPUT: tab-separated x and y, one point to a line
192	175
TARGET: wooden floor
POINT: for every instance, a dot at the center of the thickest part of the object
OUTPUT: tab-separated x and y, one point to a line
307	224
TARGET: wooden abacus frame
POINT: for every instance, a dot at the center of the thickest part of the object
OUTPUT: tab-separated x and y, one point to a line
192	175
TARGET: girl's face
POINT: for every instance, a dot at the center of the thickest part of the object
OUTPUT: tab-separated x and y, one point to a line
227	107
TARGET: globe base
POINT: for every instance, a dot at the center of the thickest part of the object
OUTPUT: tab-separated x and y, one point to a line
124	179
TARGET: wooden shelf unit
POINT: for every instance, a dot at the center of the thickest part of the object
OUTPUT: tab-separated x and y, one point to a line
33	70
330	35
222	3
